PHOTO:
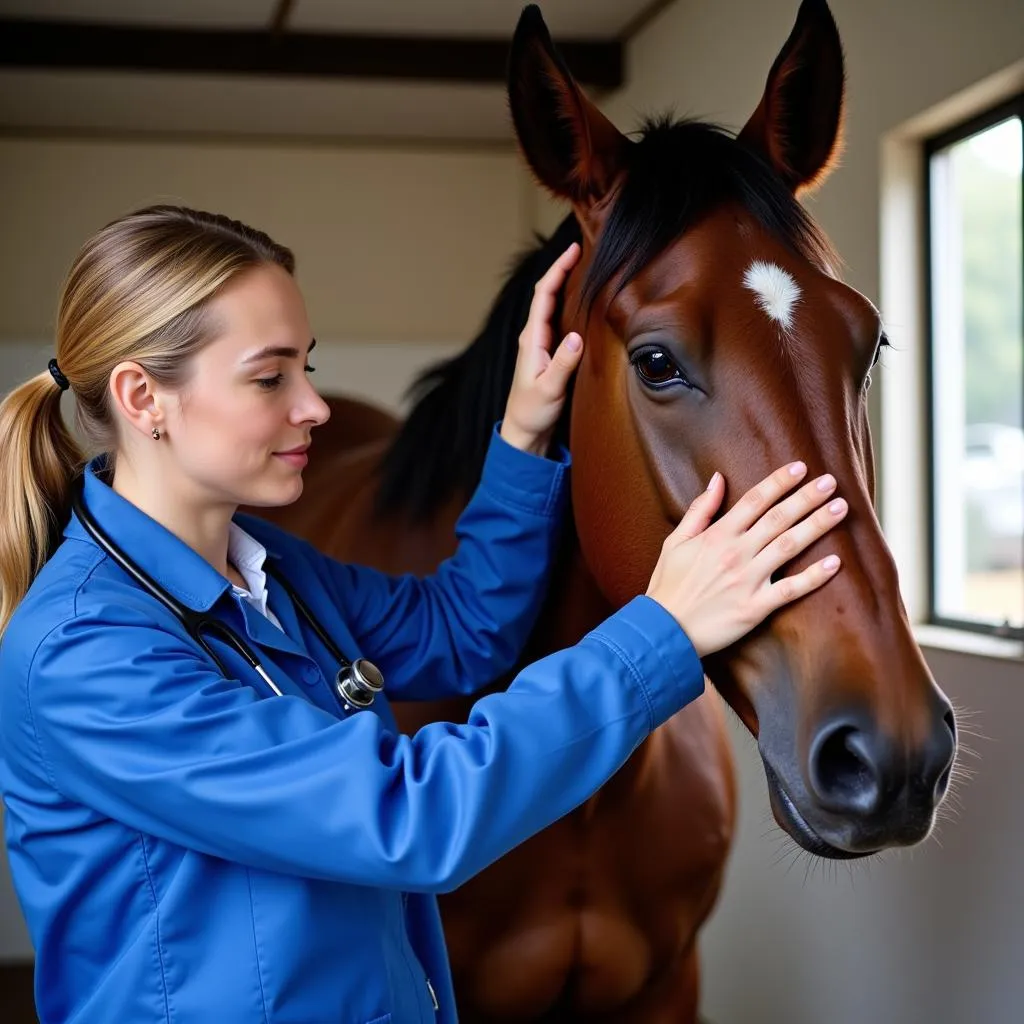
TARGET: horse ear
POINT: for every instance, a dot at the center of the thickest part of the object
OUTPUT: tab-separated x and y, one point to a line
573	149
797	124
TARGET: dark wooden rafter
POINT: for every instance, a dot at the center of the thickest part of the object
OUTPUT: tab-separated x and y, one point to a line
282	12
80	46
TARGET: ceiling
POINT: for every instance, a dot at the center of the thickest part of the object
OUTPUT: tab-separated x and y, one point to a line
399	70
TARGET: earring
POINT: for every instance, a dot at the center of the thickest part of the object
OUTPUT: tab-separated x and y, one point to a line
156	434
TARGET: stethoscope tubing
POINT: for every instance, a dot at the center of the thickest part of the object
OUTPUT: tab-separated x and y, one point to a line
196	623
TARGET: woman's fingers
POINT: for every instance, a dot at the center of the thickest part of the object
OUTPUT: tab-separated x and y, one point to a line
786	513
789	588
538	326
716	583
562	366
554	277
798	538
541	378
760	498
700	513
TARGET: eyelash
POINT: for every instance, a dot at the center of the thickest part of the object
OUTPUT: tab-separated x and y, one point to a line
270	383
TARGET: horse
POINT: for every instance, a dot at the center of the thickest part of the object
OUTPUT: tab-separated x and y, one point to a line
719	336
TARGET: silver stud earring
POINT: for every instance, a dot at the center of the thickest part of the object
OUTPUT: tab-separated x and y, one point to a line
156	434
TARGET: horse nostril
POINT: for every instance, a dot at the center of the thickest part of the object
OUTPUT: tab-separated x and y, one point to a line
945	754
950	719
843	773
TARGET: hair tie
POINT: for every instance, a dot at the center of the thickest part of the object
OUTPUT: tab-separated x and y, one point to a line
62	381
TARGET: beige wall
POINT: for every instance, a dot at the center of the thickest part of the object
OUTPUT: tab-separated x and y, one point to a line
937	935
398	245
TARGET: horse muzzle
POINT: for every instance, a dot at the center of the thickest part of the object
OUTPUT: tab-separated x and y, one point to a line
859	792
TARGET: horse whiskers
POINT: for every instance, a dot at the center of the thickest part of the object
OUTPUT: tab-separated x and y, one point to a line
963	748
970	729
952	800
960	774
964	719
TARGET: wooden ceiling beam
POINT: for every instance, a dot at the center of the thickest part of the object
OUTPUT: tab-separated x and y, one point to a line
57	45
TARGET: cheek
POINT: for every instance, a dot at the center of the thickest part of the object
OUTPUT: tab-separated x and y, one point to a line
234	431
672	437
619	521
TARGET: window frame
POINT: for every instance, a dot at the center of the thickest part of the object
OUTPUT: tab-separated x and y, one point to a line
1014	106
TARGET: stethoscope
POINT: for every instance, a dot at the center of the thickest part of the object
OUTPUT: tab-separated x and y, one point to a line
357	682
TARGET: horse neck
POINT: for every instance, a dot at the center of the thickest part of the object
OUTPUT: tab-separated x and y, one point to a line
573	607
574	604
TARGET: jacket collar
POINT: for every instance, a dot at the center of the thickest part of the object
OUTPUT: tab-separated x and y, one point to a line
175	566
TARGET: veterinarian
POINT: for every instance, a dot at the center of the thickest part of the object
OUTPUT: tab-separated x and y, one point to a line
210	814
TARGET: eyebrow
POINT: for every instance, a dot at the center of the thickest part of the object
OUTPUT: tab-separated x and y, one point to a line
285	351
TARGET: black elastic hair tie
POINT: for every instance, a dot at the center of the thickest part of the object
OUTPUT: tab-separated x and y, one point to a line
62	381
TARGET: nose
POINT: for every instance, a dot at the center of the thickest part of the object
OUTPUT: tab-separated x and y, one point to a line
857	772
313	409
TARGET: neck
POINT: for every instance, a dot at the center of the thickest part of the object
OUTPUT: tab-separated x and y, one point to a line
178	506
574	605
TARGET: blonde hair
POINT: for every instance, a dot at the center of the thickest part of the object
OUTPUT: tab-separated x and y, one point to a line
138	290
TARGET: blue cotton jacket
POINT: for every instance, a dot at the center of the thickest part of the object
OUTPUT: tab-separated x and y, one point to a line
190	848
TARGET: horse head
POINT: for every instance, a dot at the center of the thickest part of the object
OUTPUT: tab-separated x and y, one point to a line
719	336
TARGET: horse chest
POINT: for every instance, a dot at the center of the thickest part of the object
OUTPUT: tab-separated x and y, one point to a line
594	911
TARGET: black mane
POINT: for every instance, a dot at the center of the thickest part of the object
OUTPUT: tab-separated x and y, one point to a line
676	173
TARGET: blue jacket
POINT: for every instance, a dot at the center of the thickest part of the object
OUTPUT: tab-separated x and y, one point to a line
190	848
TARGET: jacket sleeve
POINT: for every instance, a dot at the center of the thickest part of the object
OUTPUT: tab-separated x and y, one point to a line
461	628
130	720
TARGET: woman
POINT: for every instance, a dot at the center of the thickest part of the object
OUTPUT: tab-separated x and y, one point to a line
191	841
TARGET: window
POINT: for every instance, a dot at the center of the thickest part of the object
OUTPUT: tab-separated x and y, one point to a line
975	224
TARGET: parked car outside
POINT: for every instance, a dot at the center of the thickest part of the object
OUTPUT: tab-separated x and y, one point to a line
994	496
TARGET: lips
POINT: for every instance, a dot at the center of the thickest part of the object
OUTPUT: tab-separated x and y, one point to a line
798	828
295	457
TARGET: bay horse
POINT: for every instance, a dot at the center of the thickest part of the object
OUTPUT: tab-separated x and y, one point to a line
718	337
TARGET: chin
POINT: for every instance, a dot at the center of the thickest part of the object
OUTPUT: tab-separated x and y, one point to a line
275	496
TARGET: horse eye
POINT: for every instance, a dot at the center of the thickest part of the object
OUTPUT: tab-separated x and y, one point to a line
656	368
883	342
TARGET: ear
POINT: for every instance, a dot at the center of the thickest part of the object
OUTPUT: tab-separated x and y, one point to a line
132	393
573	149
797	124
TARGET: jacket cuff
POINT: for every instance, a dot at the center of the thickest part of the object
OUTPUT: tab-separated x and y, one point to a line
658	653
526	482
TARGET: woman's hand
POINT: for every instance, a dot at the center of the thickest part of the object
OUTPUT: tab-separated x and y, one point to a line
541	379
716	580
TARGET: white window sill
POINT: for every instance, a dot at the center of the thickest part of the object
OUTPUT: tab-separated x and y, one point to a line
962	641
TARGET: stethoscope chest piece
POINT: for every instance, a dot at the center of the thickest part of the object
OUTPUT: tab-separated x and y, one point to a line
357	683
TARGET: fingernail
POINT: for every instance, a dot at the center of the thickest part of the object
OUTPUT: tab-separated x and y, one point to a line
827	482
713	480
837	506
574	342
830	564
797	468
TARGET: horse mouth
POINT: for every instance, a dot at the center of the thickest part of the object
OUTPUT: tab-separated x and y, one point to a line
796	825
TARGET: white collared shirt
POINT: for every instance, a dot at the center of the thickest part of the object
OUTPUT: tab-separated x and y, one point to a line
247	555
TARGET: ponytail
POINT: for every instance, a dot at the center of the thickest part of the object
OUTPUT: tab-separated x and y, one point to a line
38	460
